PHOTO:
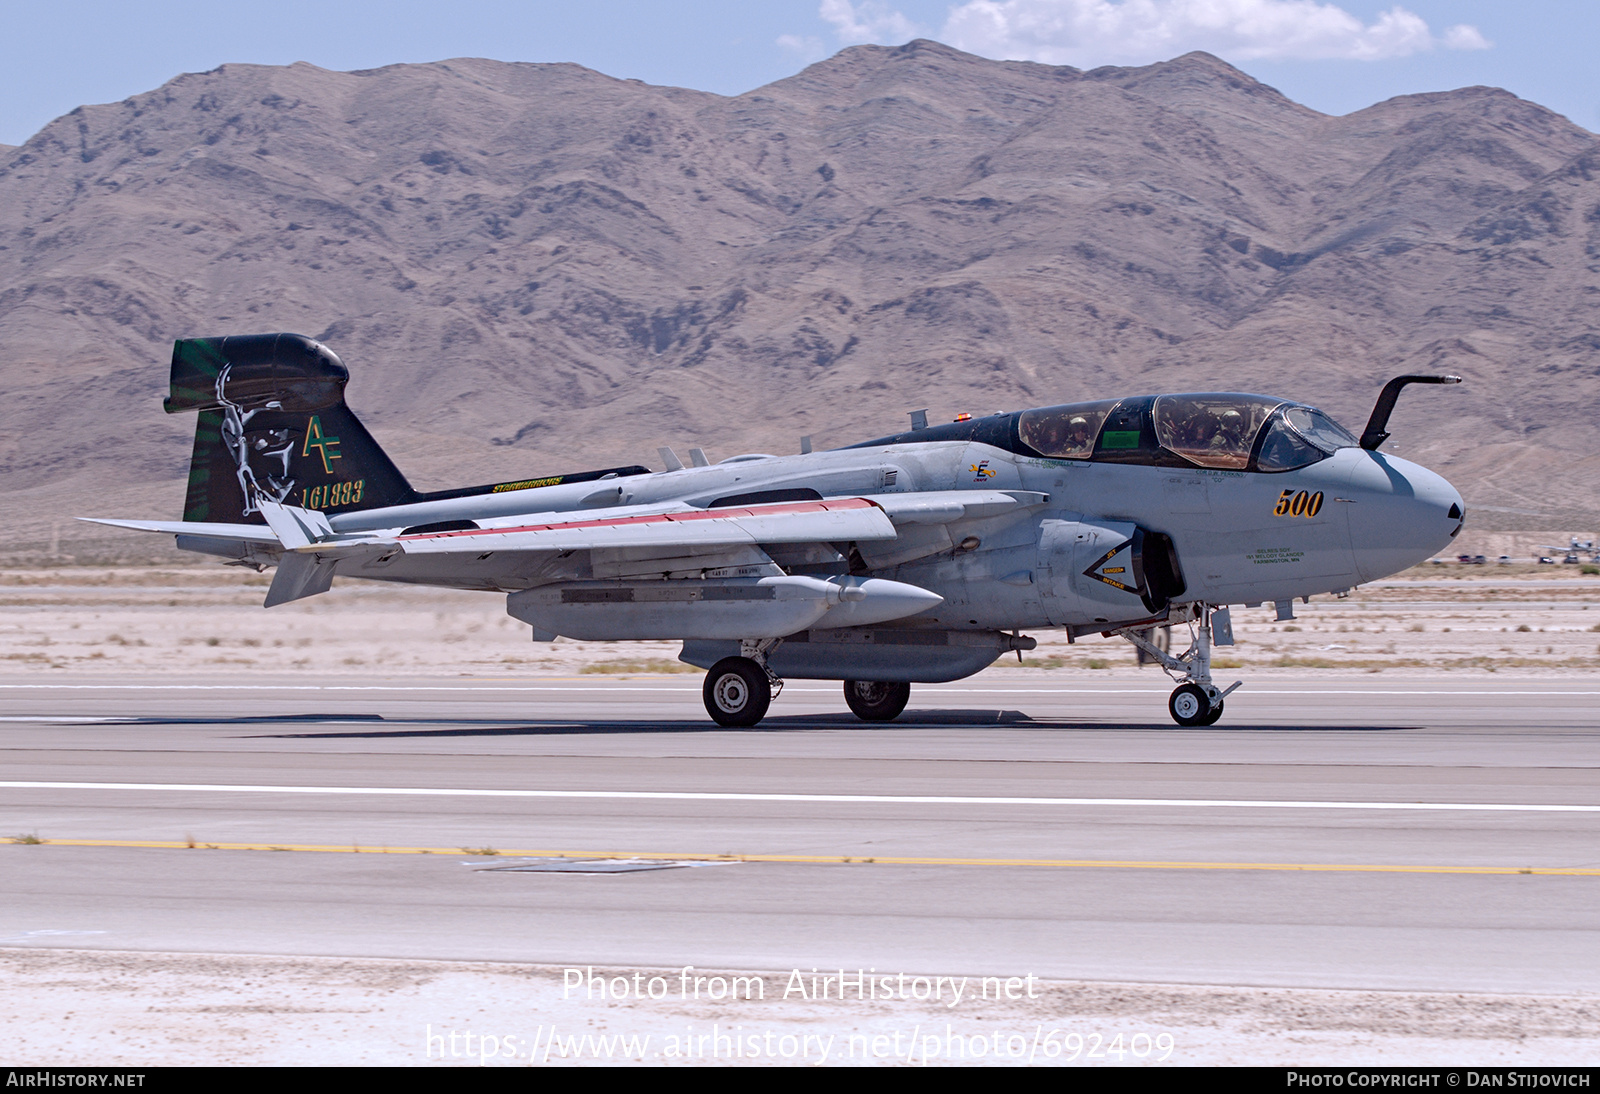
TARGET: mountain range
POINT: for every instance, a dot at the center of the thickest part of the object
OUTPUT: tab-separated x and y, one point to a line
536	268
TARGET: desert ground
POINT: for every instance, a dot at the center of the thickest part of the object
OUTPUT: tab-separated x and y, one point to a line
1517	617
137	1009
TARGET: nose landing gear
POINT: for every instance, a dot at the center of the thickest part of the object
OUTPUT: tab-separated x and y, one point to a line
1191	706
1196	701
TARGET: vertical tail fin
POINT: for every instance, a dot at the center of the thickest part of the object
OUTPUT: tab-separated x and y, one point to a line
273	425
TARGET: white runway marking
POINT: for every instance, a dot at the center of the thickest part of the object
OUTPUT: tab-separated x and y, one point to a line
873	799
66	719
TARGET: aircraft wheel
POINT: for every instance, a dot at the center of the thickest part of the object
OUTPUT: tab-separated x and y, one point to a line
1190	706
1216	713
874	701
736	692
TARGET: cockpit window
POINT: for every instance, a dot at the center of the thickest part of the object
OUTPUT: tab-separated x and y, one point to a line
1127	436
1064	432
1223	431
1284	449
1213	430
1299	436
1319	429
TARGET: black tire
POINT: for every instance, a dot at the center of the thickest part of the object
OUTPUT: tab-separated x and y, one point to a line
1216	713
737	692
873	701
1190	706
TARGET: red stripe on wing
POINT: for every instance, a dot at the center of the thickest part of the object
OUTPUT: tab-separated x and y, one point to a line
776	509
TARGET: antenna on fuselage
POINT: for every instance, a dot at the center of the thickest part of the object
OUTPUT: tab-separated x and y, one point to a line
919	419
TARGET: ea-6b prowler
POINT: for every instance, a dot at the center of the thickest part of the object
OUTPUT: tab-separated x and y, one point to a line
914	558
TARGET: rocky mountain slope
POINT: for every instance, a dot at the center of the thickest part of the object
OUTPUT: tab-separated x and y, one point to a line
538	268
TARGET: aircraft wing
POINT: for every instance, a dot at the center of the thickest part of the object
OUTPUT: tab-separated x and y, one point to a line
310	549
250	533
831	520
948	506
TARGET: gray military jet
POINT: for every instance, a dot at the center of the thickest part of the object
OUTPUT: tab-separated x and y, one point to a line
914	558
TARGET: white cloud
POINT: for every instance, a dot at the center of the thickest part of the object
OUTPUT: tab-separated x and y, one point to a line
1462	36
807	48
1097	32
867	21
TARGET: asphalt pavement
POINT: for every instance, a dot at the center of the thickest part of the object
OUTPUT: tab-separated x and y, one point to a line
1433	833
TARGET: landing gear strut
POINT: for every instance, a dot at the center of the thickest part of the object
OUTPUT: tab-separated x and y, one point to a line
1196	701
875	701
738	690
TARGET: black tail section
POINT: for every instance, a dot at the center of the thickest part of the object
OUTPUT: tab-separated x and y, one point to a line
273	424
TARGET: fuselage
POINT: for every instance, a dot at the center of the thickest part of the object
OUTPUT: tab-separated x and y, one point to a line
1217	535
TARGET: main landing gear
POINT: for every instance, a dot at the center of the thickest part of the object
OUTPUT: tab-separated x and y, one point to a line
874	701
738	690
1196	701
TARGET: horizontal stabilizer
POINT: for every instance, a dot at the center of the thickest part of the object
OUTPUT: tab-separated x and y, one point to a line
299	575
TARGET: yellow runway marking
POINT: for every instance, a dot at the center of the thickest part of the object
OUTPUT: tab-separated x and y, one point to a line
853	860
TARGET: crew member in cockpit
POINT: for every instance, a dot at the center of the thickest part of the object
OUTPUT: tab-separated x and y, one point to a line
1228	437
1080	438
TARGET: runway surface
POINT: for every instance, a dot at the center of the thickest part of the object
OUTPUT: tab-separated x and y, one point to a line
1428	833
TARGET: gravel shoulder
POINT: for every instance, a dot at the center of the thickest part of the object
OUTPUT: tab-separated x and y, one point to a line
121	1009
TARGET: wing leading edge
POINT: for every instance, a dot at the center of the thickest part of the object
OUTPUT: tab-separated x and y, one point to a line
835	520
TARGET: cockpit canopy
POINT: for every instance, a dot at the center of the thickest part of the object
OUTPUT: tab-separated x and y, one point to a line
1218	430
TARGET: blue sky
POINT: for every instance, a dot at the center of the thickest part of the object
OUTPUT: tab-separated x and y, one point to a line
1333	55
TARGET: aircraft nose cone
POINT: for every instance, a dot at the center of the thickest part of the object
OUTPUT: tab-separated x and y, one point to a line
1400	514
